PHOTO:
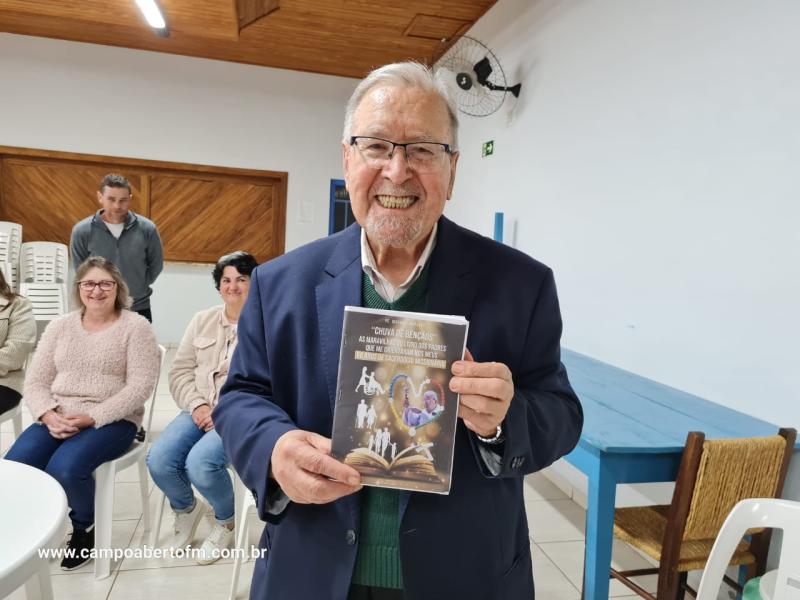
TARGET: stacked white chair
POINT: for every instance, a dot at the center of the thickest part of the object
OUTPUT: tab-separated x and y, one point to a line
105	476
781	584
49	300
43	262
8	274
43	278
10	245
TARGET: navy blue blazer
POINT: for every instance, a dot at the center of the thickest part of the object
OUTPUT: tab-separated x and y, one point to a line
471	544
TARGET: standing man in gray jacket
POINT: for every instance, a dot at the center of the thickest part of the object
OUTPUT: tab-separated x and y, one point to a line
128	240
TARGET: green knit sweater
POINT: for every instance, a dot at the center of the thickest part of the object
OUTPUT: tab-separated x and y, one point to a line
378	559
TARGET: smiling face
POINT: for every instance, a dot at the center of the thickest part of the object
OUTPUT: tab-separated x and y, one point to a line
115	202
96	300
233	287
395	205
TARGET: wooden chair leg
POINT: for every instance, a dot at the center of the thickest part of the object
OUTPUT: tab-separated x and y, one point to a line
669	584
682	582
759	546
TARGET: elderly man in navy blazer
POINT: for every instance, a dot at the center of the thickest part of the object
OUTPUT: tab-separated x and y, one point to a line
326	536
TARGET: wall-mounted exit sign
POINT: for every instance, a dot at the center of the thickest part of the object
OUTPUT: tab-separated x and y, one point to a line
488	148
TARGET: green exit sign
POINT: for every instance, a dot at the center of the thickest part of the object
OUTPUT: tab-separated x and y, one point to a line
488	148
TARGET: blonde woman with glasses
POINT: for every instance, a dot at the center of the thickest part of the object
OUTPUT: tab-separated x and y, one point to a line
86	389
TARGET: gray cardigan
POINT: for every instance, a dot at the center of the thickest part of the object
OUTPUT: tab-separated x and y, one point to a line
137	252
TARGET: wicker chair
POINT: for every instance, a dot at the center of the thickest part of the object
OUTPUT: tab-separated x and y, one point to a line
713	476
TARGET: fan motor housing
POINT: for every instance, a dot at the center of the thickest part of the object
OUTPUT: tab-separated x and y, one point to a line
464	81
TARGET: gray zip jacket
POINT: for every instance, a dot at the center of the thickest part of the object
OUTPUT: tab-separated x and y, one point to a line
137	252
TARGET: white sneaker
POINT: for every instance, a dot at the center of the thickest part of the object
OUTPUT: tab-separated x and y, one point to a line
185	524
211	550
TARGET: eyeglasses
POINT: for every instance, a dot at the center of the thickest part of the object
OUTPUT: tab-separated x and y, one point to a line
87	285
423	157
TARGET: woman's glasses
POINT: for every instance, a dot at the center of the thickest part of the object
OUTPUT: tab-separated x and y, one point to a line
87	285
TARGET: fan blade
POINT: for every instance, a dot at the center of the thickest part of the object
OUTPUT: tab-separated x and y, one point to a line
483	69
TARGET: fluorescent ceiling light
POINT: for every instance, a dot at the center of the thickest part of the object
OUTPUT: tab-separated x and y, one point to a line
152	13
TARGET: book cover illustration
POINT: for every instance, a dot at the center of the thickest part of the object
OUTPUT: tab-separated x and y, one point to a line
395	416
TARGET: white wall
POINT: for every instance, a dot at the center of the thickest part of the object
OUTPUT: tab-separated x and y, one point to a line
113	101
652	161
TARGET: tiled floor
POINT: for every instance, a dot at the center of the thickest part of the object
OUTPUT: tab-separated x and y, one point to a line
556	525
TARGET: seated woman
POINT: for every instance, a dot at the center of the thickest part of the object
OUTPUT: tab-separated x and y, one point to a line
86	389
17	338
189	451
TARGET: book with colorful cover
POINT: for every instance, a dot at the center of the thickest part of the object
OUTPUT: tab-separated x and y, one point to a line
395	416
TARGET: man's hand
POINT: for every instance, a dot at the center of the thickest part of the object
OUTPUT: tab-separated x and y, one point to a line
202	417
303	467
58	426
81	421
486	390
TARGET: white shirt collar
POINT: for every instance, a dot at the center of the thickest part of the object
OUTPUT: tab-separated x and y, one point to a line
385	289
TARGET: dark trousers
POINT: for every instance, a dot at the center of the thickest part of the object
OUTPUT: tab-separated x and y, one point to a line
72	461
8	398
145	312
362	592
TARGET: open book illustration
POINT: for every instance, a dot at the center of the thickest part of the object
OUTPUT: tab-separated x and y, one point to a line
405	465
395	416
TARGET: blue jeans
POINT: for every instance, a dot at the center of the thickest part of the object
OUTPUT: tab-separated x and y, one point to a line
72	461
185	455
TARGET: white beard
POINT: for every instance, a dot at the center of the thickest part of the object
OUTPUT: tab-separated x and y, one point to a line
395	231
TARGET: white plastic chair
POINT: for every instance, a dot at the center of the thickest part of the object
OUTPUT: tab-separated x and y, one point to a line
10	243
49	300
163	500
758	513
15	416
105	476
245	502
8	274
43	262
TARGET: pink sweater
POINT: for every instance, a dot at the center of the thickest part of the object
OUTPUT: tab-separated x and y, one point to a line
108	375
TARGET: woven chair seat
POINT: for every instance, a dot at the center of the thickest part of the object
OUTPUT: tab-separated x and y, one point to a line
643	527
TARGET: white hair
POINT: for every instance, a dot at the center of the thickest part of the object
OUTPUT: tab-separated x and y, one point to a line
409	75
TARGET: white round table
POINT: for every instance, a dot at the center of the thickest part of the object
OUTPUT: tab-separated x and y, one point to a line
33	514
